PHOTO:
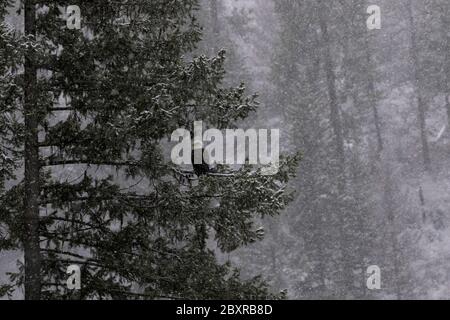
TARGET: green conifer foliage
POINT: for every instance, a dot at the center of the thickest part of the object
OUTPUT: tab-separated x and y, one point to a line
105	99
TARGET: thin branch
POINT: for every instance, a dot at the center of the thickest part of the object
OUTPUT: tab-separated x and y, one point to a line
51	163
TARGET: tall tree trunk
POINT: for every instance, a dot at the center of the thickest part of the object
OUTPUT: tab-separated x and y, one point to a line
445	21
339	144
305	142
32	188
334	105
215	25
371	91
447	106
418	86
389	208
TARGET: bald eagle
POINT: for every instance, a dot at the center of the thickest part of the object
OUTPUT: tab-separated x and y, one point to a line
201	168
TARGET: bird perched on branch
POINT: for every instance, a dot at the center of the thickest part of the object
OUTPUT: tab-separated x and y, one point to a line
200	168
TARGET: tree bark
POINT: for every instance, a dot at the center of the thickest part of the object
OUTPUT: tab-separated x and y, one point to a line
215	24
447	106
334	105
31	183
418	83
336	125
391	226
373	99
446	38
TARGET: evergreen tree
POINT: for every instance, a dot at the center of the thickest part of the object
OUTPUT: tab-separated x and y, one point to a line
94	108
321	90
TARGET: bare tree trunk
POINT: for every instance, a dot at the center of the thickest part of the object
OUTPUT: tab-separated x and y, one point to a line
313	75
334	105
32	168
373	101
447	106
446	38
215	24
339	144
418	86
396	251
391	226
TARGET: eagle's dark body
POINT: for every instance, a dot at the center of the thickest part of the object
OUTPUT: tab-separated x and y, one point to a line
200	169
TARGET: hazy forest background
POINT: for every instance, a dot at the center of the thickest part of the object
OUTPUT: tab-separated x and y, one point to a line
369	111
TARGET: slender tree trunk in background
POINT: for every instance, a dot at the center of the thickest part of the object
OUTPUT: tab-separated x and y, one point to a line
322	262
391	226
275	269
348	89
376	117
396	251
447	106
32	168
339	143
313	76
334	105
445	21
373	100
418	86
215	24
321	265
361	227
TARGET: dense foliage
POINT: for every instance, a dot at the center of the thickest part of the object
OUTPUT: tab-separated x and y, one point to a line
106	98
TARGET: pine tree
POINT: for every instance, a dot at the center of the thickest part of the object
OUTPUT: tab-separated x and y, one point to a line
323	93
10	127
94	108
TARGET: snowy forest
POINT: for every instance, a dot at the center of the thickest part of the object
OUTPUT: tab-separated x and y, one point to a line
87	183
